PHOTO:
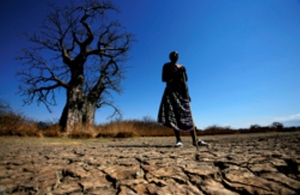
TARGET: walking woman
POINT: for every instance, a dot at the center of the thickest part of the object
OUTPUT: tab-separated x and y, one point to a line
174	110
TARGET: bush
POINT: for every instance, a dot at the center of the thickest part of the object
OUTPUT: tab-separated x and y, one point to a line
215	129
13	123
52	131
82	132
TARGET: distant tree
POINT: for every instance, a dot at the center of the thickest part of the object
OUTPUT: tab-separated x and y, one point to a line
80	51
277	125
254	127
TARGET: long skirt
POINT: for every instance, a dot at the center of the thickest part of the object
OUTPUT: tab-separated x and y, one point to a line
174	111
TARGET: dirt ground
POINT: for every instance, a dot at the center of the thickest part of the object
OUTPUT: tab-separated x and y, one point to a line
265	163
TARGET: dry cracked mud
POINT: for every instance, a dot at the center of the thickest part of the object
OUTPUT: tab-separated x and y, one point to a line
265	163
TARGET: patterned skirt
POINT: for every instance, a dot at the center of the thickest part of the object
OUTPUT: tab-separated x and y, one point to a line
174	111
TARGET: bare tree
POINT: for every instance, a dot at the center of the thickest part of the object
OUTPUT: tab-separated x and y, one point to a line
277	125
255	126
80	51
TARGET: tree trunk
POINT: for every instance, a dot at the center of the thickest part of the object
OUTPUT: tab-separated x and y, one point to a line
64	117
78	110
90	110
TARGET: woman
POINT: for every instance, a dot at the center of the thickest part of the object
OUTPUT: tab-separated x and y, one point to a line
174	110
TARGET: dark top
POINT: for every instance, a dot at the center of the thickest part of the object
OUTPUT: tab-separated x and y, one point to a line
175	78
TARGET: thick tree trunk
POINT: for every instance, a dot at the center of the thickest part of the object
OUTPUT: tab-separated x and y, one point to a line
90	110
78	109
74	109
64	117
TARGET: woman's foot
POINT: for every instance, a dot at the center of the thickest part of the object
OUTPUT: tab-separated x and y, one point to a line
200	143
179	143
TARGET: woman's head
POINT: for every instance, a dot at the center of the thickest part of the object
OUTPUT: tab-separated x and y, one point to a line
174	56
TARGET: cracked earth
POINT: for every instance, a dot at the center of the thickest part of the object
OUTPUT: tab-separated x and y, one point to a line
265	163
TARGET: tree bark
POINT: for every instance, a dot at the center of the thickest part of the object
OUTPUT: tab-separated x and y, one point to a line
74	110
78	110
78	114
90	110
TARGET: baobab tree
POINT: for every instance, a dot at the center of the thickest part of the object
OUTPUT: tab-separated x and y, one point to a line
80	51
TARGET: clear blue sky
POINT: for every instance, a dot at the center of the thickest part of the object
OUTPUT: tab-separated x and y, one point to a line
242	58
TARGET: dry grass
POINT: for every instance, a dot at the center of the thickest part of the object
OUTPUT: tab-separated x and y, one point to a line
133	128
13	124
83	132
16	124
115	129
52	131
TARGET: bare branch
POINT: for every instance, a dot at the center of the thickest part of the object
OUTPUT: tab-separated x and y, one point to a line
116	112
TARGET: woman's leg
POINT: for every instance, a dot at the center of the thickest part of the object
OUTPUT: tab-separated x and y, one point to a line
178	140
177	134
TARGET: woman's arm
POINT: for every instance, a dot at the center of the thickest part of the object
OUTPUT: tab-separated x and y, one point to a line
166	73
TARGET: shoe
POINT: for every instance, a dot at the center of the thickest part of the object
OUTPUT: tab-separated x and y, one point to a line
200	143
179	143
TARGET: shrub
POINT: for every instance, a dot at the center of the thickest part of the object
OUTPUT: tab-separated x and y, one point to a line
15	123
215	129
82	131
52	131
